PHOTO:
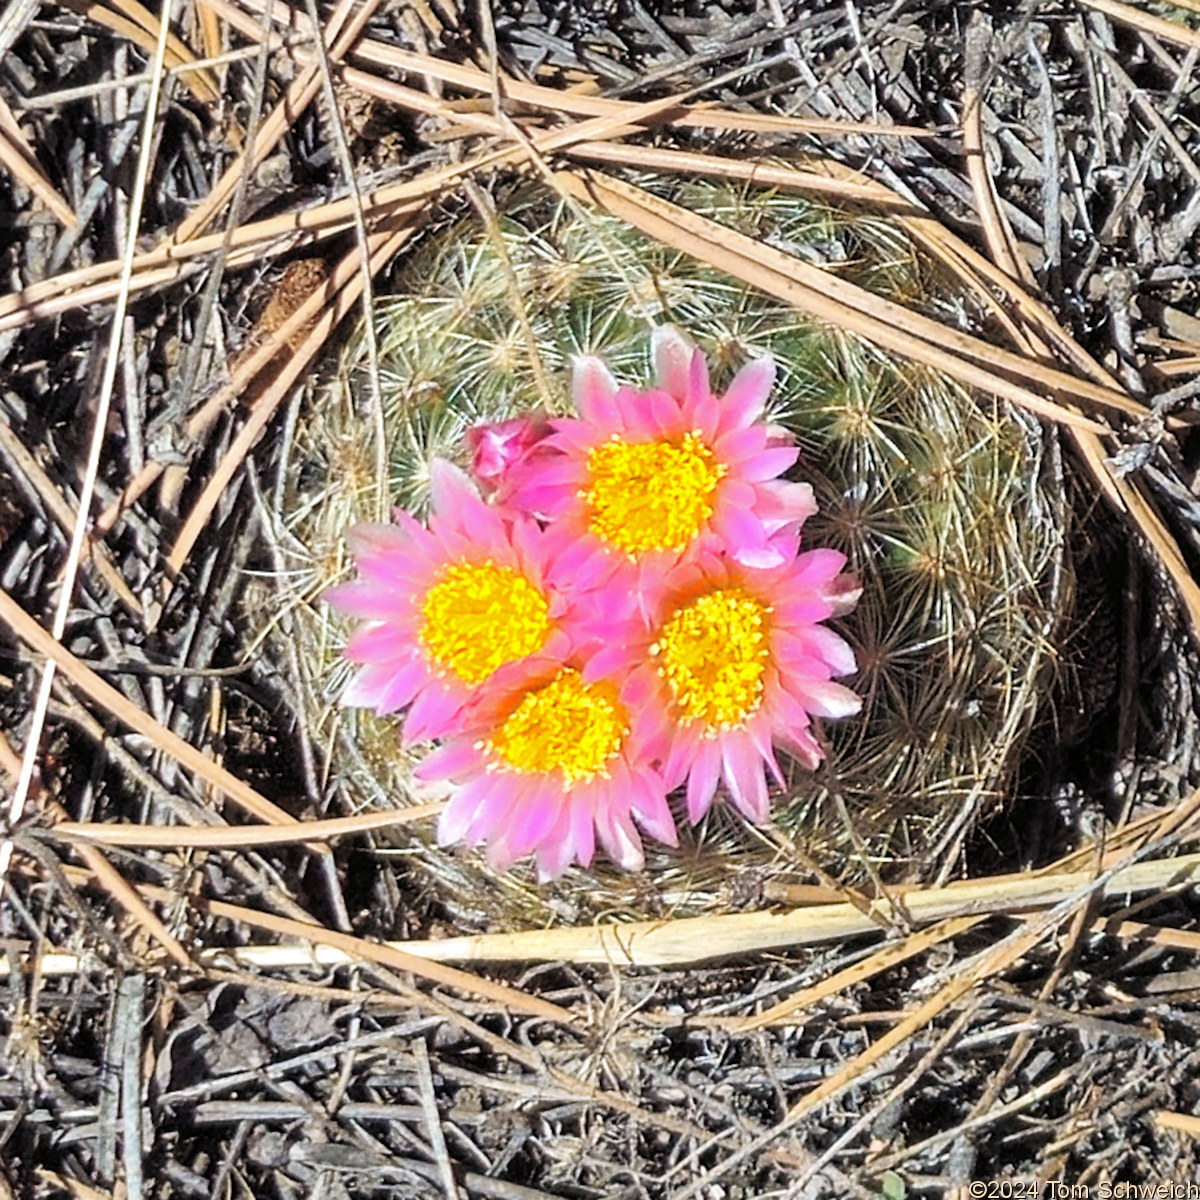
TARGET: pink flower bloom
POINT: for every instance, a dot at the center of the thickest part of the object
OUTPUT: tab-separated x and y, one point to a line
641	479
498	447
736	662
553	767
450	609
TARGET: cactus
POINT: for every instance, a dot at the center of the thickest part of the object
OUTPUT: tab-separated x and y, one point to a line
948	505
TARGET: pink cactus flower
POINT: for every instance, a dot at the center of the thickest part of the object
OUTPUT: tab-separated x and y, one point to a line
642	479
498	447
737	661
449	610
553	768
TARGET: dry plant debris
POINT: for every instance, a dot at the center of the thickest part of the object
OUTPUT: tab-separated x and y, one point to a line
225	998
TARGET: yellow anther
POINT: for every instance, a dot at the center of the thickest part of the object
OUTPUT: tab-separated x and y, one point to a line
479	616
569	726
651	495
713	652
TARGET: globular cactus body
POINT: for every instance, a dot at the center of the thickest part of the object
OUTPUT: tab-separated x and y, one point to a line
947	504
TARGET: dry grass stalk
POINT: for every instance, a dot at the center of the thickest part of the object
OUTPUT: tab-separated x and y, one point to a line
63	514
348	275
883	959
345	25
1178	1122
210	28
28	630
75	1188
397	958
77	547
140	26
244	245
846	306
109	878
1138	931
1159	27
700	939
560	101
245	371
1124	493
986	965
17	156
109	834
116	885
347	948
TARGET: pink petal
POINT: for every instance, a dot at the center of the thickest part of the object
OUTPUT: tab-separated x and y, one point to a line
759	731
544	502
650	730
371	538
747	394
491	817
586	559
537	815
461	810
500	855
697	378
367	601
685	746
664	411
618	836
706	417
404	684
742	444
557	849
572	437
789	715
803	747
702	782
651	810
769	464
745	538
824	699
380	643
454	760
399	570
638	416
453	495
782	502
816	642
814	568
605	662
583	830
593	389
433	714
672	353
761	558
744	777
558	472
383	687
804	611
558	645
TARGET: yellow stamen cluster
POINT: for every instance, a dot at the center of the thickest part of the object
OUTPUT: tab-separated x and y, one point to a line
651	495
712	652
479	616
569	726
